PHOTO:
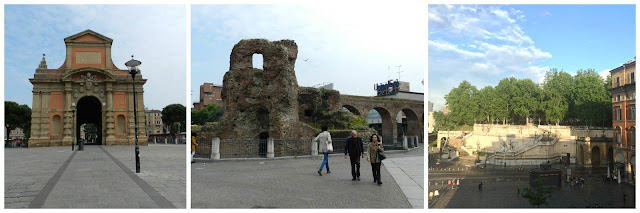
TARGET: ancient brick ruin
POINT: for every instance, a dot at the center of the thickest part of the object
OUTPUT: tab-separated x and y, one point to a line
261	103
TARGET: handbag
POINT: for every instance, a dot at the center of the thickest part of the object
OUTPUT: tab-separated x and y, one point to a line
329	147
381	156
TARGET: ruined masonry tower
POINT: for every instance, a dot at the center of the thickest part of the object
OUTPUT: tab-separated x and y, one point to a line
261	103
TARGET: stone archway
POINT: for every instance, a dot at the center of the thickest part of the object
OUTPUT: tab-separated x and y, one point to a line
352	109
387	128
412	124
89	111
595	156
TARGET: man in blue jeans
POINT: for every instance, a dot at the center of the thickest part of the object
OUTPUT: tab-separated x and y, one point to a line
353	147
324	139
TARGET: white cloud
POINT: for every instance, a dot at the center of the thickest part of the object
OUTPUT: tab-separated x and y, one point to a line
155	34
605	73
351	45
489	47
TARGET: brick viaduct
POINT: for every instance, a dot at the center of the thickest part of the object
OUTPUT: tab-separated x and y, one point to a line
388	109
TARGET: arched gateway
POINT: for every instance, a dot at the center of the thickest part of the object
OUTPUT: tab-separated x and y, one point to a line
102	94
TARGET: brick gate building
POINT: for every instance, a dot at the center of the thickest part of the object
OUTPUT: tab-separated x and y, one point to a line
89	80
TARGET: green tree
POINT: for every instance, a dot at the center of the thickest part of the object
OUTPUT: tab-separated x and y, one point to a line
538	195
484	98
175	113
525	99
556	95
442	121
16	116
503	99
462	108
211	113
591	99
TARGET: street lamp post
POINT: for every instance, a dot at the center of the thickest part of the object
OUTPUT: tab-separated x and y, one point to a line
73	125
133	70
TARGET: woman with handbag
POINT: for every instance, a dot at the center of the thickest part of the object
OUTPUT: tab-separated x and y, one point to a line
324	141
375	157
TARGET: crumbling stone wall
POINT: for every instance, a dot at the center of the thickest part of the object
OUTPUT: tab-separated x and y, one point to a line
258	101
318	105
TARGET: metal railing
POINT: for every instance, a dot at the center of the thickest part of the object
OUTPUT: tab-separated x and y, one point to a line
243	148
203	150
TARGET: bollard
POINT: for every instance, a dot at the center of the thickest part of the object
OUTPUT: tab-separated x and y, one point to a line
314	147
215	149
270	153
405	145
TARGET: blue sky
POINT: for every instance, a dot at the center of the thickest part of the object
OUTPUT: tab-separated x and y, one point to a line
155	34
351	46
485	43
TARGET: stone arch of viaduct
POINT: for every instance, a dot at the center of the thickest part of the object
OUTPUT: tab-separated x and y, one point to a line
388	109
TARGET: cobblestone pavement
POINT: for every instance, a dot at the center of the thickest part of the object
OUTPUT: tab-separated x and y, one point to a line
295	183
501	184
98	177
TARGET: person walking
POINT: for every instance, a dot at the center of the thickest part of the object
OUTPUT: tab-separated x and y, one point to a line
353	147
480	186
193	145
324	141
375	148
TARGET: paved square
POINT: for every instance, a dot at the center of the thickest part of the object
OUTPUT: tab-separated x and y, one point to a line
295	183
98	177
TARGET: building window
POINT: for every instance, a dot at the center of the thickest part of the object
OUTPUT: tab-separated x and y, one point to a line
213	94
632	112
633	95
618	135
618	98
631	136
617	113
617	81
632	77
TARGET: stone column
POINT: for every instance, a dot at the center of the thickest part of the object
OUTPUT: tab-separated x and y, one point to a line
215	149
35	118
314	148
68	116
110	136
270	153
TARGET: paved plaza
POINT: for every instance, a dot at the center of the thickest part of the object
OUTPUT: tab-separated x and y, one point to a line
295	183
501	184
98	177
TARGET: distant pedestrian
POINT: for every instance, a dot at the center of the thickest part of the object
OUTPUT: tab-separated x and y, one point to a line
193	145
353	147
453	185
324	141
624	198
458	182
518	193
480	186
375	148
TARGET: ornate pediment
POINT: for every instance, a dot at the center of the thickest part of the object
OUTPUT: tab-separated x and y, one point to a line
88	36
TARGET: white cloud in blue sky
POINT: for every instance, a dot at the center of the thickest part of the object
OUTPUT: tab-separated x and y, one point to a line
155	34
350	45
486	43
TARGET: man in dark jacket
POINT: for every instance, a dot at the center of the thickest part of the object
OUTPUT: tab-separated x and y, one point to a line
353	147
